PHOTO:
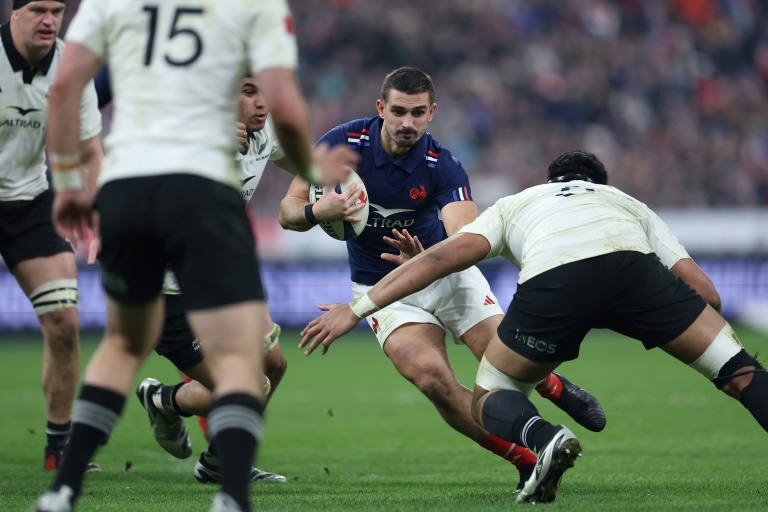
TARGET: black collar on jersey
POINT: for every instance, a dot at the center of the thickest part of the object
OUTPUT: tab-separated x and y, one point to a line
19	63
407	162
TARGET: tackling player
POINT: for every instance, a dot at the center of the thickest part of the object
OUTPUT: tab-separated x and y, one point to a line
590	256
410	178
40	260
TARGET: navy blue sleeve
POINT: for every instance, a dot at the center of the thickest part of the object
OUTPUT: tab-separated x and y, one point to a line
453	182
335	136
103	87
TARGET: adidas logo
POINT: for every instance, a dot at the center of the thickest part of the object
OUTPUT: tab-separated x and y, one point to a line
488	301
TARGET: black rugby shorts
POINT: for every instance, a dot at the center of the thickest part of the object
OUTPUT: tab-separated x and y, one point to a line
196	225
628	292
26	230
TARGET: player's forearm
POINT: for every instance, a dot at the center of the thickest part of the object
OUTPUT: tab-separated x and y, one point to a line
63	122
420	271
290	119
292	214
91	156
687	270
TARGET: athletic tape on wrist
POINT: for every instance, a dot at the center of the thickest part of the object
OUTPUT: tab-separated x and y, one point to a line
363	306
66	180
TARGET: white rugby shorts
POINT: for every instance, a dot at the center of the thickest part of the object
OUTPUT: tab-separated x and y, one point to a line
456	303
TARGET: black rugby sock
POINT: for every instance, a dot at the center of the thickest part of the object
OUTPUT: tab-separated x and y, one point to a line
95	415
511	416
235	426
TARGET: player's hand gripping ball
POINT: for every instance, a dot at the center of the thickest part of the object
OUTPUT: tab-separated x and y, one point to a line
342	230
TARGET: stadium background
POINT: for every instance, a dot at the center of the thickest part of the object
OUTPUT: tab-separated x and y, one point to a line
671	94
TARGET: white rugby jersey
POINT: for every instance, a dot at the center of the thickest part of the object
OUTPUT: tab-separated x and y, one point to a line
550	225
176	67
24	118
264	147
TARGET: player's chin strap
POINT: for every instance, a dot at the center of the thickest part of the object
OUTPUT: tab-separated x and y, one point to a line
54	295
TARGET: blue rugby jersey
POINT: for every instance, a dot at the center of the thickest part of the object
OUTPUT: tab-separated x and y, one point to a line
404	193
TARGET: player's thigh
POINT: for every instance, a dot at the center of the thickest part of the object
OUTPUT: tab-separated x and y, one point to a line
387	320
35	272
210	245
177	342
235	329
647	302
695	340
465	305
132	327
418	352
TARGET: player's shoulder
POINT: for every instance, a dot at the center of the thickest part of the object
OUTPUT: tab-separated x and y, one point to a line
356	126
355	133
438	156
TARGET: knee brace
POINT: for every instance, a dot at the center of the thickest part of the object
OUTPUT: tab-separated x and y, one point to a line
730	370
488	377
54	295
271	339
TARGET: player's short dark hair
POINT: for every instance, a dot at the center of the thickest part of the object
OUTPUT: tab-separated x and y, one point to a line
408	80
577	165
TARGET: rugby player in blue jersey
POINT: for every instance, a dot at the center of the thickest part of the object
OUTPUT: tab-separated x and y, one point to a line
411	179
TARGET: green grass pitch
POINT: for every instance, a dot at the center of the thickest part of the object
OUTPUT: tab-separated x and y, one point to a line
352	435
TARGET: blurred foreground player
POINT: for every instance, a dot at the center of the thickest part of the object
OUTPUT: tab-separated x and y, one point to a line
167	404
184	150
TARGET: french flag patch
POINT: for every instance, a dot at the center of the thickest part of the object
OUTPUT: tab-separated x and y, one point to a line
461	194
431	158
355	140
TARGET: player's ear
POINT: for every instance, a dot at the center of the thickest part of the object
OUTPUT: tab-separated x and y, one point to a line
380	108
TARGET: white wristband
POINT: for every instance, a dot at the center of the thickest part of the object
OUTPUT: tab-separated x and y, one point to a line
66	180
363	306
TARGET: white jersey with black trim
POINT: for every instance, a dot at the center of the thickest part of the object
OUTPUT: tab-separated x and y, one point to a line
550	225
24	119
176	67
263	147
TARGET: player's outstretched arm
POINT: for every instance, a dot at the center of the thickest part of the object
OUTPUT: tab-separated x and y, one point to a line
452	255
687	270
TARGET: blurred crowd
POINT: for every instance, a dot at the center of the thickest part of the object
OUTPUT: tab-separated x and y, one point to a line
670	94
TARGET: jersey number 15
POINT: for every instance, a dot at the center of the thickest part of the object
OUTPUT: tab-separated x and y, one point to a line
175	31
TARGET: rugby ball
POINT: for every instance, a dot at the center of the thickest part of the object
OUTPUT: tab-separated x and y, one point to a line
341	230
